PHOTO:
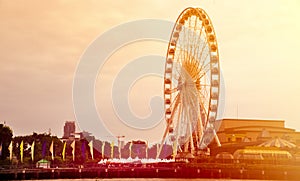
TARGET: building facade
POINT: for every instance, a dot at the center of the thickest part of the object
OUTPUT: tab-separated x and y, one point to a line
69	129
253	130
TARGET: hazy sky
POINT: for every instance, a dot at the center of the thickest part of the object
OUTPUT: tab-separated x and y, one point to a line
41	44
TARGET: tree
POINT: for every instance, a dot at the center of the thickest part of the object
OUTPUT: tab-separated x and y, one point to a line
41	149
5	139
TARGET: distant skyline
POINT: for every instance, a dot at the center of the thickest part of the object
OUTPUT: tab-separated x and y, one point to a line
41	44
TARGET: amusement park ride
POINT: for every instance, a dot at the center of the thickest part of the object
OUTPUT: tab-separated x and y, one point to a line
191	83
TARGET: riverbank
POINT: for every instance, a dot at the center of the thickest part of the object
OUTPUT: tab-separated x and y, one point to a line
178	170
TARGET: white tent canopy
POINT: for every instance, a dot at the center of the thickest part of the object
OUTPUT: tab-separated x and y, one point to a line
279	143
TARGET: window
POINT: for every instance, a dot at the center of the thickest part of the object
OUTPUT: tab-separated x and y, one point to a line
238	139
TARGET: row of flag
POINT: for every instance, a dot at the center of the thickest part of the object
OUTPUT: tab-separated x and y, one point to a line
51	149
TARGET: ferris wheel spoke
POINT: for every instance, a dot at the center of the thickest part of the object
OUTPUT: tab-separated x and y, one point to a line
202	96
204	70
205	85
175	103
181	123
181	55
204	46
198	45
185	39
195	44
204	92
203	60
195	68
200	34
203	107
204	50
189	37
199	42
177	123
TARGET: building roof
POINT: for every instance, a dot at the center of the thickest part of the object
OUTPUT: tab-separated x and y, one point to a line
257	120
252	124
257	128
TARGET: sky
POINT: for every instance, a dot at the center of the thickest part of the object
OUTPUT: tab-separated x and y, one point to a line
42	42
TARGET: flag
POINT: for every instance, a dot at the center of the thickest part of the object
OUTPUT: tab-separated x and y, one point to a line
112	150
44	149
10	148
52	150
73	149
157	150
164	147
1	149
83	150
130	150
28	147
21	150
103	145
32	151
64	151
91	149
174	148
147	149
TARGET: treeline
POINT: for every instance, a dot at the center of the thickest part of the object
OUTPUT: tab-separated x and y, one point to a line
63	151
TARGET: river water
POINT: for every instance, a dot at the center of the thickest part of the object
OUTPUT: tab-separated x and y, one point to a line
144	179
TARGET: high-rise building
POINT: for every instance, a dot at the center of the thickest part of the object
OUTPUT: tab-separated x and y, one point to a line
69	129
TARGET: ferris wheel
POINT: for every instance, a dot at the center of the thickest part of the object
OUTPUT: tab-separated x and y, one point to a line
191	83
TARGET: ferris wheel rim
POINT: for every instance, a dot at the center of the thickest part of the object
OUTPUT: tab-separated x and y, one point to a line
213	47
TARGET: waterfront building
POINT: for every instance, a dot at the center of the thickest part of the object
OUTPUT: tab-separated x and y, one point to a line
255	130
254	134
